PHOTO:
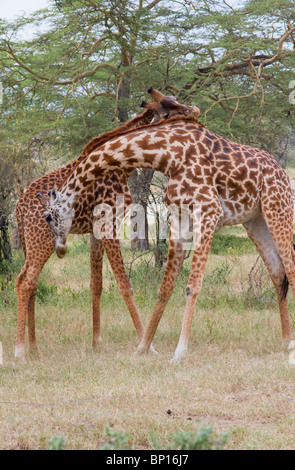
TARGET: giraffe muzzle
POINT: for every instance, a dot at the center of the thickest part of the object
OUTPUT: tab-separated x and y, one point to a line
61	250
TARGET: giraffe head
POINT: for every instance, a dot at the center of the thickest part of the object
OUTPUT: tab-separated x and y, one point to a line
167	106
60	227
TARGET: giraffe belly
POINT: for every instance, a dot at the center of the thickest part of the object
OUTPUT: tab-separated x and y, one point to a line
235	213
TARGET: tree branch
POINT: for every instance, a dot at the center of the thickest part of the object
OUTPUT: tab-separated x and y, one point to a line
45	79
152	4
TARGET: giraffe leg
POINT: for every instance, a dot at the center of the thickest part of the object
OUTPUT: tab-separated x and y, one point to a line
26	288
37	253
278	209
21	315
175	259
31	324
260	235
279	220
113	251
96	261
193	287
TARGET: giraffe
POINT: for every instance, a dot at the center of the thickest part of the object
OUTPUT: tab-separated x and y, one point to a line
230	183
38	241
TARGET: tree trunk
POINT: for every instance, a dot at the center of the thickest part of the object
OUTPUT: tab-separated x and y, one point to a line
160	248
5	246
123	95
139	185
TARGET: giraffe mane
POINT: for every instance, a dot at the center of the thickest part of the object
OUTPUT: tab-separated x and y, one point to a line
94	143
97	142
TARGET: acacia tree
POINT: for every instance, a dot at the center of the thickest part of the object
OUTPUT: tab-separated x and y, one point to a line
90	61
96	58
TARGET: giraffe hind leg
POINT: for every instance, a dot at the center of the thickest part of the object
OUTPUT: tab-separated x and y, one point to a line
96	261
285	285
259	233
26	288
31	324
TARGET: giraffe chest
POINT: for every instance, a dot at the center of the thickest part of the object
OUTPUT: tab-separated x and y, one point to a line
82	222
111	192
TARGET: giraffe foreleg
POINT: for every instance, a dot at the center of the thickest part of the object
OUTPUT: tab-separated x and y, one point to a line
175	259
113	251
194	284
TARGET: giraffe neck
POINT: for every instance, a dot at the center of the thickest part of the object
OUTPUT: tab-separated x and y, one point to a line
146	147
59	176
139	120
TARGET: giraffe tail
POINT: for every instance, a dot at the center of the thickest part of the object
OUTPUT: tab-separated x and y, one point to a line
285	283
20	224
284	288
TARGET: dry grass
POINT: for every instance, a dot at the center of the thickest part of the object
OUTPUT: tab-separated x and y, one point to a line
236	375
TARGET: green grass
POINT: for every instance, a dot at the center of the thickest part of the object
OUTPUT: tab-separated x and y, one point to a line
231	244
235	379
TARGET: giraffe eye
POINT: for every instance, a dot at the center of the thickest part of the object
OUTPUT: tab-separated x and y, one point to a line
49	218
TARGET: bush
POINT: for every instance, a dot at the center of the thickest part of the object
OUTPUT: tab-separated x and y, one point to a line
57	443
46	291
203	438
116	440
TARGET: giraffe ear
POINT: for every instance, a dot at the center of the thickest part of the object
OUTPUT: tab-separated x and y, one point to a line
43	199
53	195
170	103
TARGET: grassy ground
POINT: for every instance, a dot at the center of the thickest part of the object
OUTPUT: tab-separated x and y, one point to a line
236	376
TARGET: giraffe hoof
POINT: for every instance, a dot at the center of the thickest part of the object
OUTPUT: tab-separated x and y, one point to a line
142	349
153	350
19	353
287	342
96	343
291	345
179	354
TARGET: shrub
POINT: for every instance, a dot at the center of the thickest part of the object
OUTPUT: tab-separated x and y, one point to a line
46	291
116	440
201	439
57	443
